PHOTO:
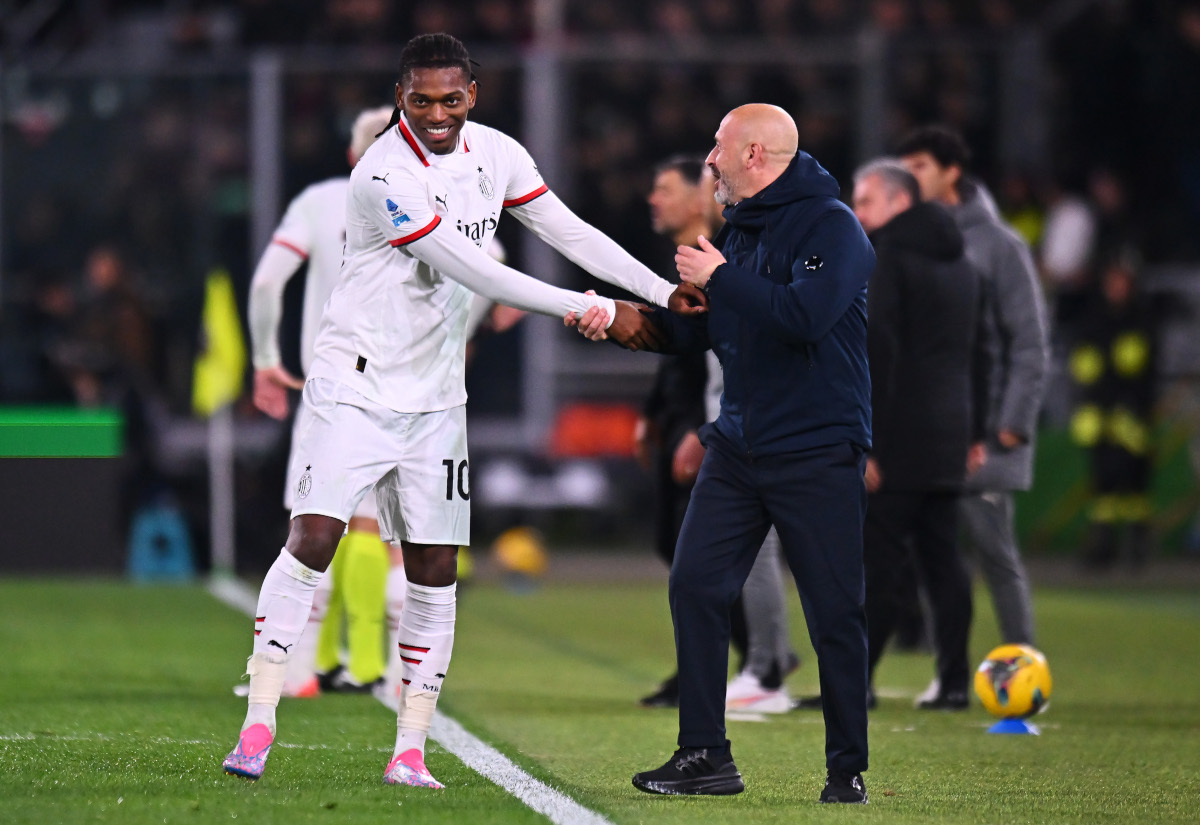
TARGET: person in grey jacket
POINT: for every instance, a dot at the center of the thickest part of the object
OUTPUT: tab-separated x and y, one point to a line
1014	323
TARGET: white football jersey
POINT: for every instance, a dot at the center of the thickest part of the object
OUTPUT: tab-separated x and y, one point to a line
314	227
394	328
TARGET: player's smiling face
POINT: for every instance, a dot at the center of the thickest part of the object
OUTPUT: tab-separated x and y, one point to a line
436	102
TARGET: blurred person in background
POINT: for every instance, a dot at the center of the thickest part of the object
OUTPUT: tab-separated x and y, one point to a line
313	230
108	350
928	395
1022	208
384	401
674	410
1014	326
1113	366
1117	226
1066	253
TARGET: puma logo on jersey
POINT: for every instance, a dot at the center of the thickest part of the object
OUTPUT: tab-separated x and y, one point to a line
383	179
284	648
441	200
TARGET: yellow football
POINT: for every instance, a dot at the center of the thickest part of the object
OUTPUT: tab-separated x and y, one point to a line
1013	682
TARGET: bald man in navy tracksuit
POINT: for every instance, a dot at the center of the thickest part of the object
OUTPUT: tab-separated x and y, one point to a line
787	319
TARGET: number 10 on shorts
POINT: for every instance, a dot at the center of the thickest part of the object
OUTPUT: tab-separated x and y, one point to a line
461	484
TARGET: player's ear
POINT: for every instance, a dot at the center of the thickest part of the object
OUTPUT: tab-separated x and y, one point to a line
400	95
956	173
472	89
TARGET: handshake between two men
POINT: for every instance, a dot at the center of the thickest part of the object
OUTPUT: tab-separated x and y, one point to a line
634	328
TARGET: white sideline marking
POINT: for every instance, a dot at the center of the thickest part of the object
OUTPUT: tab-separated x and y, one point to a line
468	748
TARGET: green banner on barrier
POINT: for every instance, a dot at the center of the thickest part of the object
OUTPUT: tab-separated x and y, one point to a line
60	432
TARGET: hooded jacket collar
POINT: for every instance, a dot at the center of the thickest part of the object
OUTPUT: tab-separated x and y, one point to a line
803	178
977	206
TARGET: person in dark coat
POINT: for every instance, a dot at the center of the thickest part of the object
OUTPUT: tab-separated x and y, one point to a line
928	396
787	319
681	208
1014	321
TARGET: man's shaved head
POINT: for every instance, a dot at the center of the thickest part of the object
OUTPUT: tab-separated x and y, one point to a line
768	125
755	143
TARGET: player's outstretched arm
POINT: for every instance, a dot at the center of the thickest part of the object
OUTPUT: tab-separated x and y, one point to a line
551	220
452	254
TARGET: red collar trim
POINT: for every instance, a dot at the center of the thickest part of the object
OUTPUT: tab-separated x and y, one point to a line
412	141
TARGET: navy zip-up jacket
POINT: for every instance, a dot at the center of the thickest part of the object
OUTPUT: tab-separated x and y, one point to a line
787	318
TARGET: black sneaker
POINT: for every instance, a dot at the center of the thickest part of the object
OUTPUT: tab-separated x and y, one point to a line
667	695
343	682
948	700
325	679
847	788
694	771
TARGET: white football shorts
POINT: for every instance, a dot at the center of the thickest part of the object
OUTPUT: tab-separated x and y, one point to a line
366	508
346	444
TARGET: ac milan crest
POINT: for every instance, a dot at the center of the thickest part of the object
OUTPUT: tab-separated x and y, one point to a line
486	187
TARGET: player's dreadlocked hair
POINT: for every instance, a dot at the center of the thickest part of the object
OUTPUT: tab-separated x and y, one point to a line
431	51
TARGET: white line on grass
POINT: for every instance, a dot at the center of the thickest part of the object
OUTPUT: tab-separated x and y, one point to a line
468	748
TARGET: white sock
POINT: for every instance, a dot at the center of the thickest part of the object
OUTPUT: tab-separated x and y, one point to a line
397	585
284	603
426	642
302	663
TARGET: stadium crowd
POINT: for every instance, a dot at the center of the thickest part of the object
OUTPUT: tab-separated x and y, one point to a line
169	199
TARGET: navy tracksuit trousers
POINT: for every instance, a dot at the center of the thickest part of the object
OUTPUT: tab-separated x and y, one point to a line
816	501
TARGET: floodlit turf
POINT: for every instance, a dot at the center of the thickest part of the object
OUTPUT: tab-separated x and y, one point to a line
115	706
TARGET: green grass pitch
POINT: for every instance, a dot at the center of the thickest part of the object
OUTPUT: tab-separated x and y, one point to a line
116	706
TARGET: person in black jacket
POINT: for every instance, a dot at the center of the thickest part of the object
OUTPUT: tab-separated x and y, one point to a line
928	393
680	201
787	319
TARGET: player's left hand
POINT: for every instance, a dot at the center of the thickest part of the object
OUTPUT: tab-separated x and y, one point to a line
696	265
687	300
